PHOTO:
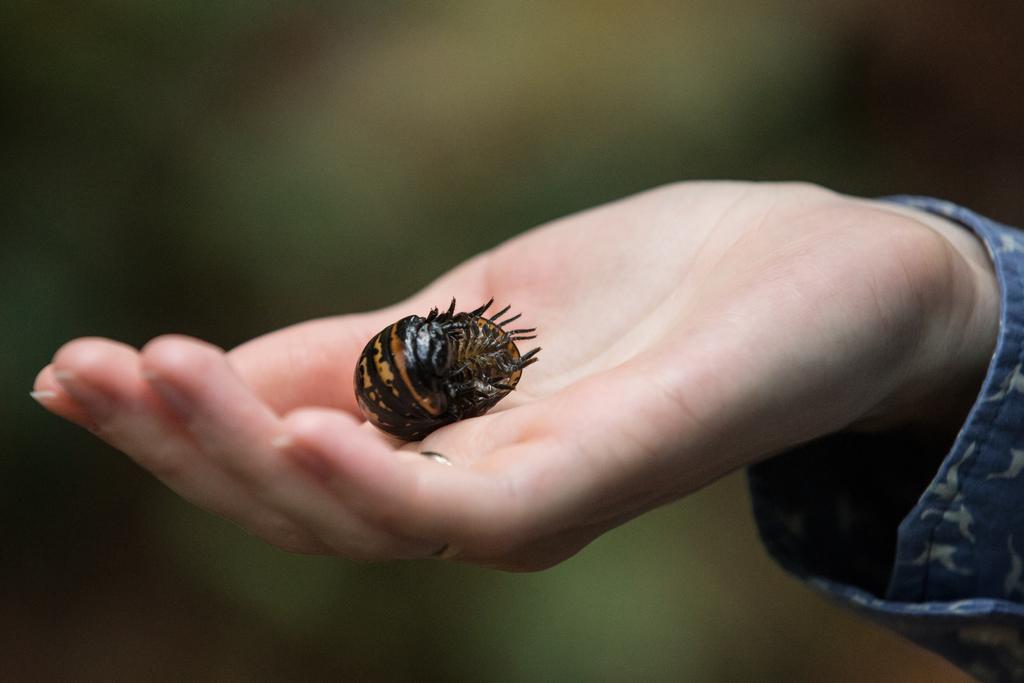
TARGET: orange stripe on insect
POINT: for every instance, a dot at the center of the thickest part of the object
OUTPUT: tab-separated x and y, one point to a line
398	353
383	367
364	373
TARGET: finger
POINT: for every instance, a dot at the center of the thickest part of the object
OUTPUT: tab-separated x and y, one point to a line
312	363
51	395
484	511
102	378
547	551
307	364
236	430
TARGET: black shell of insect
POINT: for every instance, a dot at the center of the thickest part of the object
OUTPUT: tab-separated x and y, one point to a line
419	373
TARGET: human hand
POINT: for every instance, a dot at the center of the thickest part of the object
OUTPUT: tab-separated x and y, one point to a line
687	332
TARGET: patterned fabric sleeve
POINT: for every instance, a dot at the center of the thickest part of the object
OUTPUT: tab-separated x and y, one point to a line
939	557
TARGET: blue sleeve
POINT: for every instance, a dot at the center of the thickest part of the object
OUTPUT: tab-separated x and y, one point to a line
936	555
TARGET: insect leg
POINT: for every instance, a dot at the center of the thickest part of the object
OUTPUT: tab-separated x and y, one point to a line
517	316
500	313
483	308
520	335
528	358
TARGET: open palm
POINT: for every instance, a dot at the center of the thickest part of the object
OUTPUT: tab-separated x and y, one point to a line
686	332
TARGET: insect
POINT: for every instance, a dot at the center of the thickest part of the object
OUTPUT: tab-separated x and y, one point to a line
419	373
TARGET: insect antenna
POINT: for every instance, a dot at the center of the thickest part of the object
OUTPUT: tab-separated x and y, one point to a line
483	308
523	338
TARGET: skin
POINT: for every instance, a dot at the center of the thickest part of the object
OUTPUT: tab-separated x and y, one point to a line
687	331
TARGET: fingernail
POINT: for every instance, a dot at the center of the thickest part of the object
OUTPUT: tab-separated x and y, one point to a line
97	404
175	399
312	463
42	396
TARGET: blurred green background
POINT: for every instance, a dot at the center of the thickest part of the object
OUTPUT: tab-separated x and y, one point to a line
224	169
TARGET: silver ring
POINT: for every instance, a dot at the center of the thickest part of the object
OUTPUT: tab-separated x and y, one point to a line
447	551
437	457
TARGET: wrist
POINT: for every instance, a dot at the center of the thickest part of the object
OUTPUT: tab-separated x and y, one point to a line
960	324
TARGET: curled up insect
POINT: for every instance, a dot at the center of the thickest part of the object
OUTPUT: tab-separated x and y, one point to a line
421	373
